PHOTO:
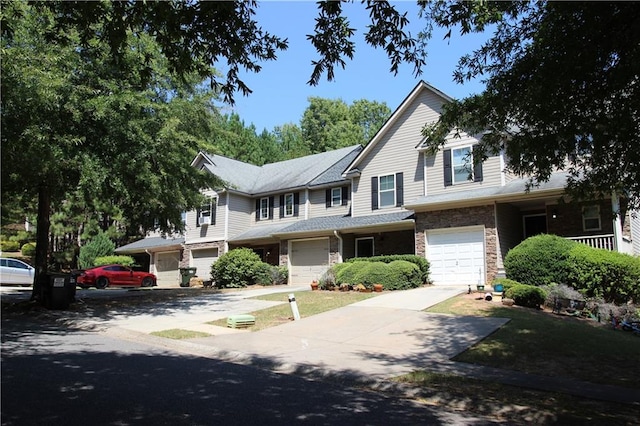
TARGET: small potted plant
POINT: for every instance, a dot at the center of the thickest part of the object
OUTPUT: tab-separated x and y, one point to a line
378	288
314	285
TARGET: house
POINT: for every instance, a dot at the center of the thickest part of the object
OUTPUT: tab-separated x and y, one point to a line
389	197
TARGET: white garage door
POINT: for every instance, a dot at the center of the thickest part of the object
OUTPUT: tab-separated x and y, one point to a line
167	270
456	257
309	260
202	260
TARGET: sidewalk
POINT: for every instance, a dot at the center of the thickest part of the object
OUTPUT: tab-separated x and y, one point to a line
366	342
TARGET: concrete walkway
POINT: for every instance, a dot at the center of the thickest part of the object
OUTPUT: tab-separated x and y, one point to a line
368	342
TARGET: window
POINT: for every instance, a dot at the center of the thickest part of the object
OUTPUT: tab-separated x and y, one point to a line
336	197
387	191
183	218
206	213
591	218
288	205
364	247
462	163
264	208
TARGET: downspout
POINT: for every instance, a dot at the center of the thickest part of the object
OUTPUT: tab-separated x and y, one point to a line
617	224
150	261
337	234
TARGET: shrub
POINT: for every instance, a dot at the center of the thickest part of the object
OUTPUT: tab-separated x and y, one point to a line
6	245
405	275
347	274
266	274
602	273
525	295
560	291
23	237
539	260
99	246
29	249
237	268
114	260
373	273
395	275
328	280
506	283
420	262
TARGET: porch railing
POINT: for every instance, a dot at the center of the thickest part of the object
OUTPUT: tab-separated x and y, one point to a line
606	242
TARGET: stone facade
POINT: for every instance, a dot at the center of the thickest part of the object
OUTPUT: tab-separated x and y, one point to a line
457	218
186	252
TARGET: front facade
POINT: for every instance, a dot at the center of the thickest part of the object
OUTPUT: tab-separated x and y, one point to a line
389	197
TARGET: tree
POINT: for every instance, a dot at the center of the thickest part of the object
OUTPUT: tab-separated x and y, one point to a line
76	120
563	90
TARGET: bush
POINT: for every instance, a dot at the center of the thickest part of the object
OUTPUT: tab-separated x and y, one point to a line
29	249
405	275
348	273
420	262
266	274
373	273
99	246
525	295
395	275
6	245
114	260
506	283
613	276
238	268
539	260
328	280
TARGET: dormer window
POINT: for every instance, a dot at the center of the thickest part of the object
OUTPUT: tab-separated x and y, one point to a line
206	213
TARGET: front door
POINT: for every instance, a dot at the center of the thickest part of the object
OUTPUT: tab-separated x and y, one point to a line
534	225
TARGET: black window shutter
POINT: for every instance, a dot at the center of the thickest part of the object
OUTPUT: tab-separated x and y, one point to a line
327	197
345	195
271	207
197	217
374	193
477	169
296	204
448	177
281	206
214	208
258	209
399	189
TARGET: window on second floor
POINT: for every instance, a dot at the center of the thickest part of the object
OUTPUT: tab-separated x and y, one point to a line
591	218
288	205
264	208
337	196
459	167
207	213
387	191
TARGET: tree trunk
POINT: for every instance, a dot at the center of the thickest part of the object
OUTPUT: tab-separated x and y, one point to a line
42	239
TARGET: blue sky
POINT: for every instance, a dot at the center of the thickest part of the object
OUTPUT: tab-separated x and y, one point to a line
280	90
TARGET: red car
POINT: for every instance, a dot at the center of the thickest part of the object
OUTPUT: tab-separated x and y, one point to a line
104	276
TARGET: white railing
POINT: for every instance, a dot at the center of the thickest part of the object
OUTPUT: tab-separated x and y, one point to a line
606	242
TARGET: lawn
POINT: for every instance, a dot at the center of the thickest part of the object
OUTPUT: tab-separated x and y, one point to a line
309	303
541	342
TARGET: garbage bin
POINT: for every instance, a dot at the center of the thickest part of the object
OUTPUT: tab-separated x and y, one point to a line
187	274
59	291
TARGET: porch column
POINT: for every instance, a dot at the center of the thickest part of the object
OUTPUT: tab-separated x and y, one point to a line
617	224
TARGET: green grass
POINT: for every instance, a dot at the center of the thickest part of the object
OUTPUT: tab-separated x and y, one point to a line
540	342
309	303
179	334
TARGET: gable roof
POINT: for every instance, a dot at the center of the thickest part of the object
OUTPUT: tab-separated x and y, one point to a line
311	170
411	97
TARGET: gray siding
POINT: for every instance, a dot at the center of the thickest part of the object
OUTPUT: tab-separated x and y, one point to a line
395	152
276	209
635	232
509	226
318	206
194	233
240	214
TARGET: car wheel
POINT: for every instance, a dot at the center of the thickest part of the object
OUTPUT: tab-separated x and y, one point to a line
147	282
102	282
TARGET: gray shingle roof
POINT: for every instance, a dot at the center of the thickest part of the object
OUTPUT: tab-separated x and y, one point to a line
316	169
258	232
338	223
150	243
556	181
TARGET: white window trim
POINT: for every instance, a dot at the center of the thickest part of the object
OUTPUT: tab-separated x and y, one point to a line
207	213
468	162
585	218
380	191
289	204
373	246
264	208
336	201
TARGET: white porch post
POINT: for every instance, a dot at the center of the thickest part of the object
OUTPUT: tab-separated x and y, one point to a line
617	224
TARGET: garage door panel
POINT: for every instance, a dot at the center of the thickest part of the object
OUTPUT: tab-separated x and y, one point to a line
456	257
167	271
202	259
309	260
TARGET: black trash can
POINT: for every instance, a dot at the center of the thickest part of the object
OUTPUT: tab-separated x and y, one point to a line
58	291
186	274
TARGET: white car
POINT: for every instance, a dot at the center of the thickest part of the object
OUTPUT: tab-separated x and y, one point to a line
14	271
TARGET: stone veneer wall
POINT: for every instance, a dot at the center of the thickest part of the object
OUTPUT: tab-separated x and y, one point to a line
456	218
186	253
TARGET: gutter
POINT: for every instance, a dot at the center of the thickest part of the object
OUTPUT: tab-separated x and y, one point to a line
340	244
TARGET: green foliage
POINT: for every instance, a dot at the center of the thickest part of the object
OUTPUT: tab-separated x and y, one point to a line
506	283
372	273
114	260
7	245
539	260
394	275
23	237
348	271
420	262
529	296
266	274
99	246
28	249
239	268
613	276
404	275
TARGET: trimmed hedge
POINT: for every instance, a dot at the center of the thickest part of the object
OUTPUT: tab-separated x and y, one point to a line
420	262
613	276
407	275
239	268
395	275
525	295
6	245
539	260
506	283
114	260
